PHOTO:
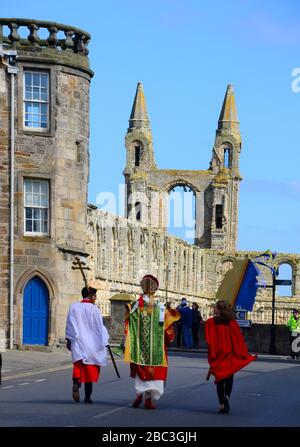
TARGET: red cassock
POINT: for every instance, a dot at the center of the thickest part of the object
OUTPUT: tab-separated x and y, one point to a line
148	372
85	373
227	350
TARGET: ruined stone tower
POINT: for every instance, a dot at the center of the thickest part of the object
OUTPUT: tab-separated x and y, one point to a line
50	146
225	185
215	189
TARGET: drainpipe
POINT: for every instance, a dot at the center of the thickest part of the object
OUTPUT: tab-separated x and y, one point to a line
8	59
12	71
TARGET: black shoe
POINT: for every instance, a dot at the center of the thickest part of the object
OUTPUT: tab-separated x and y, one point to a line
226	405
88	400
75	393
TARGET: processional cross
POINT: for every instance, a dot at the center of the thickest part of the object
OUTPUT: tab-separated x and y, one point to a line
81	265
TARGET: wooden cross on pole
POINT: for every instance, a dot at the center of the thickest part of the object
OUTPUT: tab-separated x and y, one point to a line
80	265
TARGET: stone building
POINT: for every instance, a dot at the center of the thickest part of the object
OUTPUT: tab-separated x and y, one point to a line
49	174
44	170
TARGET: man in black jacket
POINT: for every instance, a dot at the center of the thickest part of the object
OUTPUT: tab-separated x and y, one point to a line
196	320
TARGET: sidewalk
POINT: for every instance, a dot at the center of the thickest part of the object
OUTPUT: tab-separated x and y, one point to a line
18	362
259	356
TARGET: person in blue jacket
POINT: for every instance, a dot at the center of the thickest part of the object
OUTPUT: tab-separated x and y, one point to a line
186	321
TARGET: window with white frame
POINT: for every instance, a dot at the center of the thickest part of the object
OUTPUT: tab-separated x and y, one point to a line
36	100
36	207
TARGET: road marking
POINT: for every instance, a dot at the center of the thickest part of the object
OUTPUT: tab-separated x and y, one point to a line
9	386
34	373
25	383
98	416
40	380
42	371
253	394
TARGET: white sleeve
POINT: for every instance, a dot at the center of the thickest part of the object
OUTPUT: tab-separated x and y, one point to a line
105	336
70	326
100	326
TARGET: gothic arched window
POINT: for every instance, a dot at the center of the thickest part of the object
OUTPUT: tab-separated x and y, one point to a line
285	272
182	211
227	158
219	216
137	152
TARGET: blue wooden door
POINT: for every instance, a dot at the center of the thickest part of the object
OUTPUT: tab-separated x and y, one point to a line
35	313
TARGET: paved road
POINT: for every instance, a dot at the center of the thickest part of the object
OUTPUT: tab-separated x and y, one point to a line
266	393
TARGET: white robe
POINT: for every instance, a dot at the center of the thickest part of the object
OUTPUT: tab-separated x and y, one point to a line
154	388
87	333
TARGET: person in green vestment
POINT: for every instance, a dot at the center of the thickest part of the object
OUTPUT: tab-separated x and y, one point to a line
148	329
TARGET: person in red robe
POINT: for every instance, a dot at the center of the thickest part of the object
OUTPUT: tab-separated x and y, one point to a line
227	351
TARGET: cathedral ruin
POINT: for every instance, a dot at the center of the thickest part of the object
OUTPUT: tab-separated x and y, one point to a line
45	218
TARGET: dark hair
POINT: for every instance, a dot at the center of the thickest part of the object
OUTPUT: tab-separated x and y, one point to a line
195	304
226	312
92	291
295	310
84	292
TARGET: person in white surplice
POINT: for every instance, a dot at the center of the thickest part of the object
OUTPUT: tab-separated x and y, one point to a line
87	338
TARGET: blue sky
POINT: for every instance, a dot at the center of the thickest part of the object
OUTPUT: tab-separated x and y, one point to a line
186	52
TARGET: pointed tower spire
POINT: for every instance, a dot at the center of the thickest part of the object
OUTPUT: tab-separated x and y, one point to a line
139	117
228	117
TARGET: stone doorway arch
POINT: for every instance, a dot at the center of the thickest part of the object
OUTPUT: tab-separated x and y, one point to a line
20	287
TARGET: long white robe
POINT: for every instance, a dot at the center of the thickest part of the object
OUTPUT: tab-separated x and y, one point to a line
87	333
154	388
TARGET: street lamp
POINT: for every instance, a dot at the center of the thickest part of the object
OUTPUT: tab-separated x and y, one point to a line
275	282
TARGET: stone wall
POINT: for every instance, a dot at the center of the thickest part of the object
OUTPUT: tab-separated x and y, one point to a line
55	157
257	338
60	155
4	202
121	252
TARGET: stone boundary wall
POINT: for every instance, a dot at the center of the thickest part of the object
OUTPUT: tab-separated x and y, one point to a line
257	338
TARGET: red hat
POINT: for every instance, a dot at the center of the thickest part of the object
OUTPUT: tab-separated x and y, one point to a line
153	279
